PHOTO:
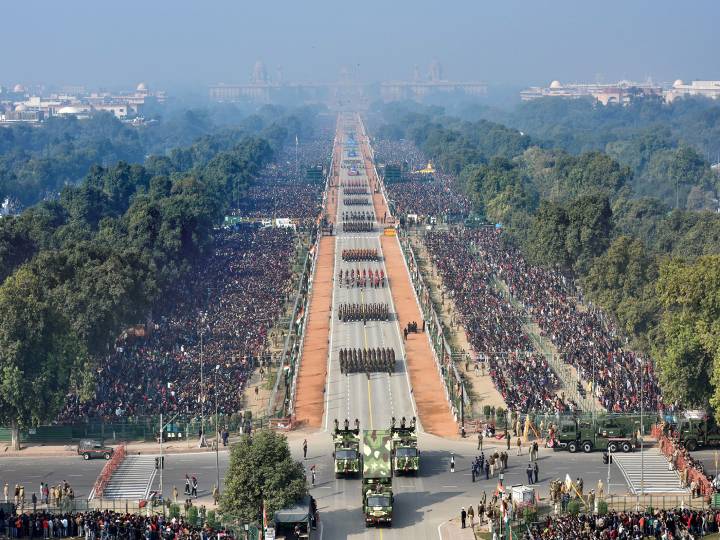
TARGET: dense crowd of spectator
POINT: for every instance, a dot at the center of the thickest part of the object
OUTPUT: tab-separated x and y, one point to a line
666	524
283	190
224	310
583	336
494	327
424	195
103	525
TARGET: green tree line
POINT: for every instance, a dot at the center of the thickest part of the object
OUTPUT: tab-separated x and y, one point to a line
36	162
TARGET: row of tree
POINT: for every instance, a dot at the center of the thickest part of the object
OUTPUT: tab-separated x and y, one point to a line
667	146
36	162
657	270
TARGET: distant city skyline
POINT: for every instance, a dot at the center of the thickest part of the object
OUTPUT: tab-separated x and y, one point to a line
521	42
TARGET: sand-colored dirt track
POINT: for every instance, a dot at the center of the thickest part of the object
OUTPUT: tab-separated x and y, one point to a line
427	389
309	399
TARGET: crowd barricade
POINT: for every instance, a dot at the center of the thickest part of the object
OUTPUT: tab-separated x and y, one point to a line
667	447
110	467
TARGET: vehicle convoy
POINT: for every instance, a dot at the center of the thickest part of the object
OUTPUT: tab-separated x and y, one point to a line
405	453
610	433
346	452
377	493
91	448
697	429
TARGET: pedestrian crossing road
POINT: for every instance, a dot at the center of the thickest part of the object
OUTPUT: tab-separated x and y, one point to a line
648	472
133	479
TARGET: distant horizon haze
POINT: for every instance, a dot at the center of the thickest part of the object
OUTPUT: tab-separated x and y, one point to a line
190	44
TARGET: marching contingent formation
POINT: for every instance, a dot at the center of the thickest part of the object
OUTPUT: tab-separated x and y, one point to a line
355	255
357	278
377	360
359	216
364	312
358	226
356	201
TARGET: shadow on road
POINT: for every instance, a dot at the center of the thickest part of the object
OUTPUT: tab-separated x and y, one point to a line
411	507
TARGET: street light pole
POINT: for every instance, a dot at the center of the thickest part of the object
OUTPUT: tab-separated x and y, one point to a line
161	457
202	383
217	430
642	431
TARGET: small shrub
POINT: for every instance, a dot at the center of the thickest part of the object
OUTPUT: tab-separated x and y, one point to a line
602	508
574	507
529	515
192	515
212	519
174	511
487	410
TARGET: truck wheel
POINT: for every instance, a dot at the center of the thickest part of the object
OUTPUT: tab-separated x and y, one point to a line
587	447
626	447
691	445
572	447
86	456
612	447
107	455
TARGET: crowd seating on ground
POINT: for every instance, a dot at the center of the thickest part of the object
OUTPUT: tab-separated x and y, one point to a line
422	195
104	525
665	524
494	327
232	299
585	337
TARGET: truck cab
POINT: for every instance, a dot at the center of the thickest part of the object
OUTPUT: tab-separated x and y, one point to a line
405	453
91	448
602	434
698	432
378	502
346	452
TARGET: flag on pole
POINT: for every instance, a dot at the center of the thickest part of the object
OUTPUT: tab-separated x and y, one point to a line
296	140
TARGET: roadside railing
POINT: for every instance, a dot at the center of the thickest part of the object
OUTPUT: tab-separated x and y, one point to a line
110	467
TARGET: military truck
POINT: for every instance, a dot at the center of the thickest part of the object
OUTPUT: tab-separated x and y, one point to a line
377	493
405	453
346	442
611	434
697	429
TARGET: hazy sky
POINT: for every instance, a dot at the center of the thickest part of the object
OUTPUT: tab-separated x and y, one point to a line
195	42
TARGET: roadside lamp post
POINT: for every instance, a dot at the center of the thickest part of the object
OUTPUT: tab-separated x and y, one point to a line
217	430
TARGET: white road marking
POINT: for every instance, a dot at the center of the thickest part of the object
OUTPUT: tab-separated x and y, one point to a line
440	527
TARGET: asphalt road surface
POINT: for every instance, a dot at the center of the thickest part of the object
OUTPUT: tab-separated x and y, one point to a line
373	400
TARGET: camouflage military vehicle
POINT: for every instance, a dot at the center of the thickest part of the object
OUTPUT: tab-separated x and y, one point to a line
346	451
405	453
377	491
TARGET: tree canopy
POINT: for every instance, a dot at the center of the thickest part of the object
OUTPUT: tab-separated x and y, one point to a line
261	472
